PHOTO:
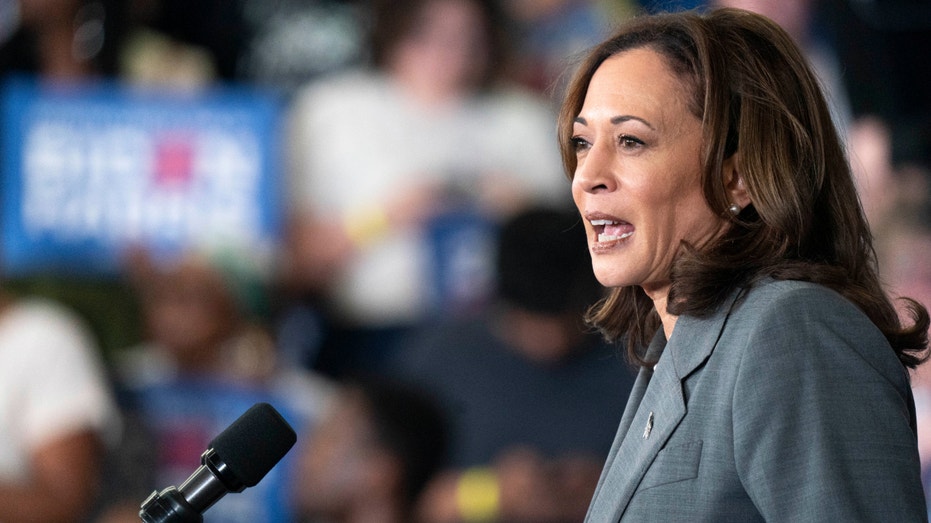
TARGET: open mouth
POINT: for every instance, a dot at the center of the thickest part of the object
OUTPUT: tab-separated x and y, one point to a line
610	230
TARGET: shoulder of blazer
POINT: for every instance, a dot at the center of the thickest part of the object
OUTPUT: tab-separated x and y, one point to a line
765	303
818	309
790	300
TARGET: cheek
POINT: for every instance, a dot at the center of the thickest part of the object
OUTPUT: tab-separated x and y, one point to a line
700	226
681	209
576	190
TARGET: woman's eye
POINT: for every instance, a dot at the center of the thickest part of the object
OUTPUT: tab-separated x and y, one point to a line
629	142
579	143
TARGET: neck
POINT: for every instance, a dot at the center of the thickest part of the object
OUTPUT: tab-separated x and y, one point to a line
431	94
660	297
426	88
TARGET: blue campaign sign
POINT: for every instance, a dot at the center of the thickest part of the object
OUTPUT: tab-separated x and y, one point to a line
89	170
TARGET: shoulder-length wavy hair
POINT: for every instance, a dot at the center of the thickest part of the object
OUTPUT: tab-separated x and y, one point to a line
756	97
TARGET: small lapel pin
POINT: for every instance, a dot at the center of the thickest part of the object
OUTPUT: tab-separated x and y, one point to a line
649	427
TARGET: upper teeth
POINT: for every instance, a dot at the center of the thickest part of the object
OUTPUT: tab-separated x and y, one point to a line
603	222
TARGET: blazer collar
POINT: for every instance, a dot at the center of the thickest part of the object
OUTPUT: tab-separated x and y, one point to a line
648	423
693	339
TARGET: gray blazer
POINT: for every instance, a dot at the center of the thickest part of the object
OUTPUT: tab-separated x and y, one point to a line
785	405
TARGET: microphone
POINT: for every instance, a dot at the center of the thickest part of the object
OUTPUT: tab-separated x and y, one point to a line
237	458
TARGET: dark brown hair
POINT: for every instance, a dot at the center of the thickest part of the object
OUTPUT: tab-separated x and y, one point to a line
756	96
391	21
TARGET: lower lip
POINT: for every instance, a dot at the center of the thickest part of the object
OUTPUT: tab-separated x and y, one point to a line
599	247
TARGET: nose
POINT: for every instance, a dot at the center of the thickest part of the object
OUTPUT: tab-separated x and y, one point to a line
593	172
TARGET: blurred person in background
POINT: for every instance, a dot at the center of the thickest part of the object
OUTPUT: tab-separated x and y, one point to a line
381	154
57	413
881	45
892	195
370	457
203	317
206	358
52	38
884	124
277	45
800	18
550	32
906	271
526	386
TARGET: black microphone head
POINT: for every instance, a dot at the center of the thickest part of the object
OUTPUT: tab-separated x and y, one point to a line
254	443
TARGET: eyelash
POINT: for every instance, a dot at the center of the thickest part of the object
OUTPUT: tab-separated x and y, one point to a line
624	140
579	143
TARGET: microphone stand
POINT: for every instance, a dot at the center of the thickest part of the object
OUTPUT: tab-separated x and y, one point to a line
168	506
187	503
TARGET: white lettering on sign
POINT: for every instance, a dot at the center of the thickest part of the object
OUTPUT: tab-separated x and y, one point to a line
119	183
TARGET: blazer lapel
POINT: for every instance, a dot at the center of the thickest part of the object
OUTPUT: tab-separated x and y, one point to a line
653	353
633	401
649	420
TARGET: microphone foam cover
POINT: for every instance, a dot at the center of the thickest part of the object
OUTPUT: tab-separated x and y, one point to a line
254	443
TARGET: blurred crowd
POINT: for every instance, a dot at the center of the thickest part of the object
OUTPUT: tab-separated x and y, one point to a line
420	323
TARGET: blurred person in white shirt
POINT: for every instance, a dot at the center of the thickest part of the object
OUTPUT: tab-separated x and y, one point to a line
57	413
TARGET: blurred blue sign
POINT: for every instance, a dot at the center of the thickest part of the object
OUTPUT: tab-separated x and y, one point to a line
90	170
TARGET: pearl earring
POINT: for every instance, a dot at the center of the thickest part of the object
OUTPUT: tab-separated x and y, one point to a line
734	209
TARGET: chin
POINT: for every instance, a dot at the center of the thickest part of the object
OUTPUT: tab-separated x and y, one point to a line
611	280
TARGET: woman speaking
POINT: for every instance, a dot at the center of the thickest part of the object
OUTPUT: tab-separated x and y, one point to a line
720	209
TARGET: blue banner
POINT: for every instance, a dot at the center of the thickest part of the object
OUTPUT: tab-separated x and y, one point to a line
89	170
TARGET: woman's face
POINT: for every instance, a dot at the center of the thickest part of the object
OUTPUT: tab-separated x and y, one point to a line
189	310
637	181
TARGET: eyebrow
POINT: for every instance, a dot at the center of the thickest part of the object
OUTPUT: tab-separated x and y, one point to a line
618	120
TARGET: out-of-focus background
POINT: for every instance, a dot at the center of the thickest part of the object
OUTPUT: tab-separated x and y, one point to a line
351	209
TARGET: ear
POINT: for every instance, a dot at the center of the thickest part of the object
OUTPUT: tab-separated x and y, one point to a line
734	185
